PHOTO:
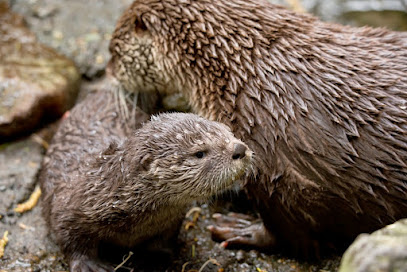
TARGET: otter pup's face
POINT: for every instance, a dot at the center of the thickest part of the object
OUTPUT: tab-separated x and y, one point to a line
191	157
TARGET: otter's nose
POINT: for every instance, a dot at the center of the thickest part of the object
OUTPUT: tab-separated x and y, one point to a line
239	151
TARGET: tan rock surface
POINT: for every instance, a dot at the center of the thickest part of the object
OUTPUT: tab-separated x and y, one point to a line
36	83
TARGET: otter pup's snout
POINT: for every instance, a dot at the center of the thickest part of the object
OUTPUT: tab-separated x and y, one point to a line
239	151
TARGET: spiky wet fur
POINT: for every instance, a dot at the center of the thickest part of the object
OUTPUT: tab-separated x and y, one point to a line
103	181
322	105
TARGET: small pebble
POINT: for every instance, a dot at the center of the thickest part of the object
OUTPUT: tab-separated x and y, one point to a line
99	59
58	35
253	254
240	256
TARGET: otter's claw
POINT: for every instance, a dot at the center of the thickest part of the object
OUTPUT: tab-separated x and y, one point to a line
240	230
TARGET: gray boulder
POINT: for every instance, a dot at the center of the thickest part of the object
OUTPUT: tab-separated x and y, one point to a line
383	250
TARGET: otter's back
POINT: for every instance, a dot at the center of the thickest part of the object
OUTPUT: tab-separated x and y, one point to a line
88	129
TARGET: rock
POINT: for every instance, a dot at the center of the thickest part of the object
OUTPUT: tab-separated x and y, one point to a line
36	82
80	30
392	18
383	250
19	164
29	246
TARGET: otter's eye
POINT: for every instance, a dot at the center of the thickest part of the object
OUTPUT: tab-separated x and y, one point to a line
200	154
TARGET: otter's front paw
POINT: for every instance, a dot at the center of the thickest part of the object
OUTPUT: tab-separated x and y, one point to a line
241	230
88	265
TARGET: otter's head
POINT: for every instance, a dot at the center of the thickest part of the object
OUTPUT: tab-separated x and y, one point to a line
184	157
178	45
137	56
217	53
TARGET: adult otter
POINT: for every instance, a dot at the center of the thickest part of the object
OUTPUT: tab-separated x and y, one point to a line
101	186
323	106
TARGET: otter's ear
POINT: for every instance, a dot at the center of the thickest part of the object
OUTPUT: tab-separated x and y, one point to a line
111	149
139	25
145	163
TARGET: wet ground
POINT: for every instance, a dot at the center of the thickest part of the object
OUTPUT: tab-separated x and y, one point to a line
81	31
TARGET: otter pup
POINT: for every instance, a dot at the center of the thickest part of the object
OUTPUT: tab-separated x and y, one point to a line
324	107
103	184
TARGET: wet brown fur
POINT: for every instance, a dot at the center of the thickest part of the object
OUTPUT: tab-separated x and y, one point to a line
104	181
322	105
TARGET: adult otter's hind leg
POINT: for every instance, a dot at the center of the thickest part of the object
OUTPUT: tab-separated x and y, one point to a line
237	230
